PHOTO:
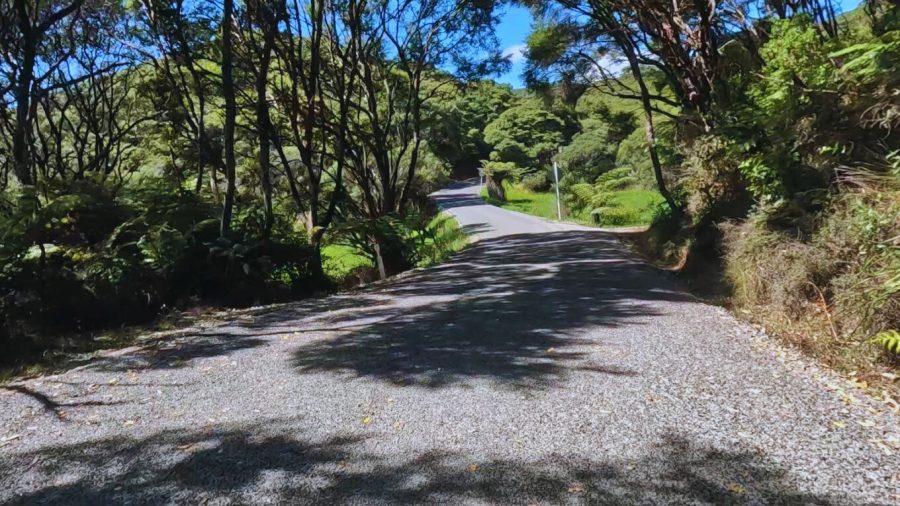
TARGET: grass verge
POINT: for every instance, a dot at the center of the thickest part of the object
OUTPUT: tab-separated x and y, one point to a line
624	208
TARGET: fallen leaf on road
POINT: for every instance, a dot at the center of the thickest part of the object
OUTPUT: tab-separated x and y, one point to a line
881	446
367	420
128	423
472	468
398	425
736	489
576	487
838	425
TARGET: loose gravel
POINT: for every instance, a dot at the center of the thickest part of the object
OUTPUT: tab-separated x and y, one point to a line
542	365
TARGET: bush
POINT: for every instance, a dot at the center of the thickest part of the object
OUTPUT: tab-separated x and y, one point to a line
861	231
845	272
713	180
537	181
615	216
495	174
95	256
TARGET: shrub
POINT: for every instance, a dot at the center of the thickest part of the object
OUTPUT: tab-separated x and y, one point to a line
496	173
93	256
713	180
861	231
615	216
537	181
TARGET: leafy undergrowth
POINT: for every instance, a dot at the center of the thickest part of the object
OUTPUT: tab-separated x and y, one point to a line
441	238
349	265
623	208
345	265
342	261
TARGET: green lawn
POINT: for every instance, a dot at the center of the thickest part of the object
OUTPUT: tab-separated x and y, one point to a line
541	204
630	207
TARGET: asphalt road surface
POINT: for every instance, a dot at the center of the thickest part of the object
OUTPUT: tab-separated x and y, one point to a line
543	365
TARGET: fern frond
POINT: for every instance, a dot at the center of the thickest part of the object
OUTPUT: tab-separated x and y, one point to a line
889	340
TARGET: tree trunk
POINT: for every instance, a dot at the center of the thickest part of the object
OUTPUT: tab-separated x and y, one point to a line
650	134
263	126
21	154
495	187
230	115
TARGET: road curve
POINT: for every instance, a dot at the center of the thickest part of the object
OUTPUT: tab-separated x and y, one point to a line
542	365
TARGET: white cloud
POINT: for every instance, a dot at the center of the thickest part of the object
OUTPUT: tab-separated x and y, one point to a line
607	65
613	65
516	54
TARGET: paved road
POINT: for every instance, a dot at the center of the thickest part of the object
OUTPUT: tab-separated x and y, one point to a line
543	365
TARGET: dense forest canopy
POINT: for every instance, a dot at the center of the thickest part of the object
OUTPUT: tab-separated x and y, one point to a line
158	153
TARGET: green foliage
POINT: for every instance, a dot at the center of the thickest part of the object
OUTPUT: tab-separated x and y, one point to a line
588	155
889	340
439	239
94	255
501	170
527	134
537	181
870	61
796	57
413	240
632	152
456	132
341	262
712	177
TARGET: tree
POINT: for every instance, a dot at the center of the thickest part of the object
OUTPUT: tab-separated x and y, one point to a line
401	46
527	134
64	70
228	93
584	34
38	40
316	58
457	127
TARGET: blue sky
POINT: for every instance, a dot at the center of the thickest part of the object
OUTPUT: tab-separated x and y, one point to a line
515	25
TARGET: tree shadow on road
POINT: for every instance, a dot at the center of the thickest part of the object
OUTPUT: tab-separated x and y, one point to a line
513	309
269	463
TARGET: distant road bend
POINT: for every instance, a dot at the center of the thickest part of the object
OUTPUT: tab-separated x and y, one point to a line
543	365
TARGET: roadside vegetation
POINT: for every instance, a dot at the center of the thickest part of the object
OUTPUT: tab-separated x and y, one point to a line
770	134
157	156
161	156
621	208
350	263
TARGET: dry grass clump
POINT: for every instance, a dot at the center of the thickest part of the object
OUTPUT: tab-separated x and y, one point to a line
831	289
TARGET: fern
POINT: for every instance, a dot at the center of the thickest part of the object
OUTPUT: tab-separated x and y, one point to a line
613	175
870	60
889	340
